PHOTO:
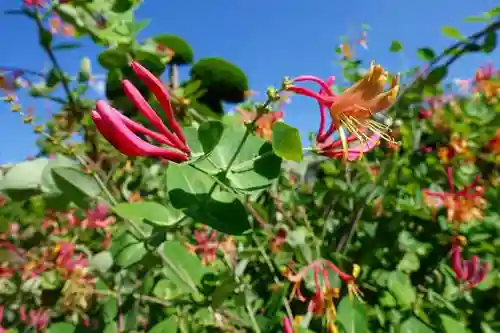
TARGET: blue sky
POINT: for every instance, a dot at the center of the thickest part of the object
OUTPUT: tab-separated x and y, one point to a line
267	39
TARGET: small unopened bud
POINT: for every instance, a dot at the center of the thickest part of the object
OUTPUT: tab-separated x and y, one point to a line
285	85
38	129
10	98
16	108
28	119
272	94
85	70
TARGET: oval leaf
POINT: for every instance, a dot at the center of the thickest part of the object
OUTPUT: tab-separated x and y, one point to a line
148	210
75	183
352	315
188	191
165	326
396	46
286	142
451	32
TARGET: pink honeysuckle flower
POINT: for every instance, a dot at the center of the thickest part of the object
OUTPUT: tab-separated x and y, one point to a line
120	130
352	110
470	271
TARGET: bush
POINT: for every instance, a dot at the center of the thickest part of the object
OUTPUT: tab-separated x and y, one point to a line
183	53
222	80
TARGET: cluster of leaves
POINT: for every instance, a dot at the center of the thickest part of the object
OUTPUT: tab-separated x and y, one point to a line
206	245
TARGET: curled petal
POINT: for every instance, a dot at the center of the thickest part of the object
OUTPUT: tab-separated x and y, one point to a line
480	275
456	262
325	85
471	267
308	92
156	86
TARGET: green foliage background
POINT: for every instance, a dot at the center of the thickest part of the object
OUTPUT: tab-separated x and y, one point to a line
243	188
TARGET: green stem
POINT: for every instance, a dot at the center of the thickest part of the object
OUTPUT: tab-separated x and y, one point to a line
57	66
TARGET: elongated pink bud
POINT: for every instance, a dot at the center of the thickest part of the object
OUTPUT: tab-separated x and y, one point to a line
147	111
109	122
156	86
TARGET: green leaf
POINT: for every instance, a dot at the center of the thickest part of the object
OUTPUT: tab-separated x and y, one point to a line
165	326
183	263
131	254
23	179
54	77
75	183
121	6
451	325
101	262
66	46
400	286
210	134
396	46
494	12
414	325
111	328
476	19
409	263
113	58
436	75
490	42
151	211
61	328
255	167
452	32
286	142
352	315
188	191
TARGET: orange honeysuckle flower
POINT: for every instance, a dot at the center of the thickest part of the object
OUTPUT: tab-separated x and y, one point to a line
494	143
346	50
463	205
352	110
264	123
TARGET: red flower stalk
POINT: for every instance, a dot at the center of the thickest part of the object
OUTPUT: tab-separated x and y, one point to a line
424	113
121	131
287	325
38	319
95	218
319	266
462	205
351	112
278	240
485	72
207	245
470	271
